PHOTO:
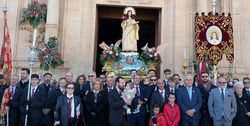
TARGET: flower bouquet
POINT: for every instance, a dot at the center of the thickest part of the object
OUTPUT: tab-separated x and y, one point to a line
110	53
35	13
150	55
49	56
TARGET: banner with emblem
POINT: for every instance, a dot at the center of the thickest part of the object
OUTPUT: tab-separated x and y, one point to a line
214	37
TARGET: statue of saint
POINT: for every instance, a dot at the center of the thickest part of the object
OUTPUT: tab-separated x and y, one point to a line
130	29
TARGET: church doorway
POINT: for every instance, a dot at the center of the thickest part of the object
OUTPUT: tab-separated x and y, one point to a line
109	28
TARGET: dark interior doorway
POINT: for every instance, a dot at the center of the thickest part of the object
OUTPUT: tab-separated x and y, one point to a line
109	28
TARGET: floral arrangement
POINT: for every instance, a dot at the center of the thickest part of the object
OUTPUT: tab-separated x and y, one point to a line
110	53
150	55
49	56
34	14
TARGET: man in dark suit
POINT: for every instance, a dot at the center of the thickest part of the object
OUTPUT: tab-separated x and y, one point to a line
205	87
138	106
159	97
69	79
25	73
50	102
171	86
3	86
246	89
117	115
189	100
35	102
61	86
68	108
167	73
15	96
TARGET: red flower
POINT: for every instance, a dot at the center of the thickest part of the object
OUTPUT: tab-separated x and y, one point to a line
58	55
109	49
147	54
113	55
47	51
33	14
104	55
156	57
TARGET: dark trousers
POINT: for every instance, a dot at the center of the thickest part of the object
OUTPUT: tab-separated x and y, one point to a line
72	122
137	120
123	123
190	122
206	120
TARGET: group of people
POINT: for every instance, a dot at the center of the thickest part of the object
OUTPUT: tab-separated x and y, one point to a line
113	101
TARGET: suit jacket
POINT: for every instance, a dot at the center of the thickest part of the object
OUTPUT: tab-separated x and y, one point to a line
117	112
61	110
217	107
156	98
36	103
2	89
50	103
14	112
96	110
185	104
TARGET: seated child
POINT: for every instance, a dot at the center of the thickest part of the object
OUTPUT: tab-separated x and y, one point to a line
172	111
128	94
158	118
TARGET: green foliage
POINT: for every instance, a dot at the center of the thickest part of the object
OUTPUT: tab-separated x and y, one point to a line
34	13
49	56
110	54
150	55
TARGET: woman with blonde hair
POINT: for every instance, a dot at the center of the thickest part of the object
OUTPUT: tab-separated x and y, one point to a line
95	104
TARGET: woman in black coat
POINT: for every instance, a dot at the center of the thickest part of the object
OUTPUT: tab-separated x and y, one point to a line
95	104
242	117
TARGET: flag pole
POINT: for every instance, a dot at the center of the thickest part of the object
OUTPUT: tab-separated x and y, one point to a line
32	58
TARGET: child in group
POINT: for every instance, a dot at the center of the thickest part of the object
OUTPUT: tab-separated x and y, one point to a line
128	94
158	118
172	111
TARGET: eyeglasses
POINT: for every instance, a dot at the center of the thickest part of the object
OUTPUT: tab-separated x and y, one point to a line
204	76
70	87
221	82
153	79
102	77
91	76
246	82
167	73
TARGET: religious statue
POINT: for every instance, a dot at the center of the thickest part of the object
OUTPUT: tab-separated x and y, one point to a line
130	29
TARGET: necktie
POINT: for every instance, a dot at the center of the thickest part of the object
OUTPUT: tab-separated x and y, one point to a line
162	98
69	107
137	91
222	94
172	90
33	92
95	97
12	91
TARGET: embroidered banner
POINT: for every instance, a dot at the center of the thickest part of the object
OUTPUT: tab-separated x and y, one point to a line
214	37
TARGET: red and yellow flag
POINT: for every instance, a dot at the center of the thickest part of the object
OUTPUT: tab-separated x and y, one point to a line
6	51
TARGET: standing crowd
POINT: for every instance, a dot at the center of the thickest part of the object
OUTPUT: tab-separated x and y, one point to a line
113	101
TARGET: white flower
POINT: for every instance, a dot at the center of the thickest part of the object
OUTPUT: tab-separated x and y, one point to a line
110	52
116	54
155	54
150	55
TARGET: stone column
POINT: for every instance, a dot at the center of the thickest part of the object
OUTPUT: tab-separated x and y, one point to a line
202	6
52	21
226	6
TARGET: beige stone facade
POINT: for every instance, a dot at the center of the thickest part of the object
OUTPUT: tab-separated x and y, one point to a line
74	22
